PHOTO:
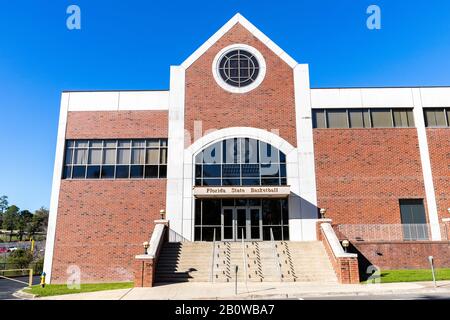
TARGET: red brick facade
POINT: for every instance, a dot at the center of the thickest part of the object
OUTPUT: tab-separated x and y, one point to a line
362	173
439	147
116	124
270	106
403	254
102	224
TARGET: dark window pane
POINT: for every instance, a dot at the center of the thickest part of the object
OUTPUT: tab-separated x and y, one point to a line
211	171
286	233
381	118
282	157
67	172
271	212
285	211
197	234
162	171
251	182
250	170
270	182
283	170
122	172
151	171
254	202
231	170
231	182
283	181
198	170
211	182
137	172
211	212
68	156
107	172
79	172
337	118
93	172
318	117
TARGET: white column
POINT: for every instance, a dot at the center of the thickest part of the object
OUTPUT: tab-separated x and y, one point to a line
426	165
305	147
174	192
56	184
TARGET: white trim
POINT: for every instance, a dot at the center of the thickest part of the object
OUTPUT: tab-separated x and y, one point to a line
426	165
307	215
219	135
238	18
226	86
240	132
118	100
56	184
174	190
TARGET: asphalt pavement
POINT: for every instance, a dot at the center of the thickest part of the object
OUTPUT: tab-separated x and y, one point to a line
8	287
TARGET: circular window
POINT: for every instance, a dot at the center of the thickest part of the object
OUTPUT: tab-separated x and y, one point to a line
239	68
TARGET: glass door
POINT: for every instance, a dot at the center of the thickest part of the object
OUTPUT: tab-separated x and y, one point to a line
227	224
255	223
241	223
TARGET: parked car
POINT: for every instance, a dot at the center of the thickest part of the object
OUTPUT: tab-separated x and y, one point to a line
12	249
3	250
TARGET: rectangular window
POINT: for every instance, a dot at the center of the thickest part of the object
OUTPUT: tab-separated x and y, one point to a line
337	118
318	117
403	118
381	118
115	159
436	117
363	118
413	219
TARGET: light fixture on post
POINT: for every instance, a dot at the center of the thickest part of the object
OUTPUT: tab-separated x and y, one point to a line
162	212
323	212
345	244
146	246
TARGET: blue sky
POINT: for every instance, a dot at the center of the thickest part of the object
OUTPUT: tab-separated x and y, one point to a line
131	44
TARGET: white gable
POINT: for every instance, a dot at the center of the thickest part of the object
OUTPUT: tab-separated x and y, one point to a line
238	18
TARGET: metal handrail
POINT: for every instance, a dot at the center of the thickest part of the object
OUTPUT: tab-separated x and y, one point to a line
245	259
213	256
275	255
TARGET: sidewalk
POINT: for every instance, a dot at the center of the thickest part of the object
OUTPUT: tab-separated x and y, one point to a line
274	290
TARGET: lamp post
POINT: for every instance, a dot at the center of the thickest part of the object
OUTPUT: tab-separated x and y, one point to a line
162	212
345	244
323	212
146	245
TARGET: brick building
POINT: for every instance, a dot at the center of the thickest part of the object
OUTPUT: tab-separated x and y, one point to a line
241	147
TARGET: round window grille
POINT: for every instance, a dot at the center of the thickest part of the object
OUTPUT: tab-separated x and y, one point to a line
238	68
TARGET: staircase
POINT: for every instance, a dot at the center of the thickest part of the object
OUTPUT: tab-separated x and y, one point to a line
276	261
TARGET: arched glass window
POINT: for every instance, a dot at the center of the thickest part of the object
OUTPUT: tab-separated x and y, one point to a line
240	162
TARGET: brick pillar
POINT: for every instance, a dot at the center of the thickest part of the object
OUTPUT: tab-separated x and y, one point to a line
145	264
446	231
143	271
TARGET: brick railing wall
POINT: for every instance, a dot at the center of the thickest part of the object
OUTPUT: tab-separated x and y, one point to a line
345	265
145	264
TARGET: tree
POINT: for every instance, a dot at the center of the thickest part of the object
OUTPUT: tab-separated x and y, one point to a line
21	258
3	203
10	219
39	222
23	221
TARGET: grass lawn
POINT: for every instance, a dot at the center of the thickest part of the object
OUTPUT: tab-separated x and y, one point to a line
413	275
59	289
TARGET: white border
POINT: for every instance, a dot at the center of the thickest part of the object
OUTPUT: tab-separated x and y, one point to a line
57	170
230	88
238	18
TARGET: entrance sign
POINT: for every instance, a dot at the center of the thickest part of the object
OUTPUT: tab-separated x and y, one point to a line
243	192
